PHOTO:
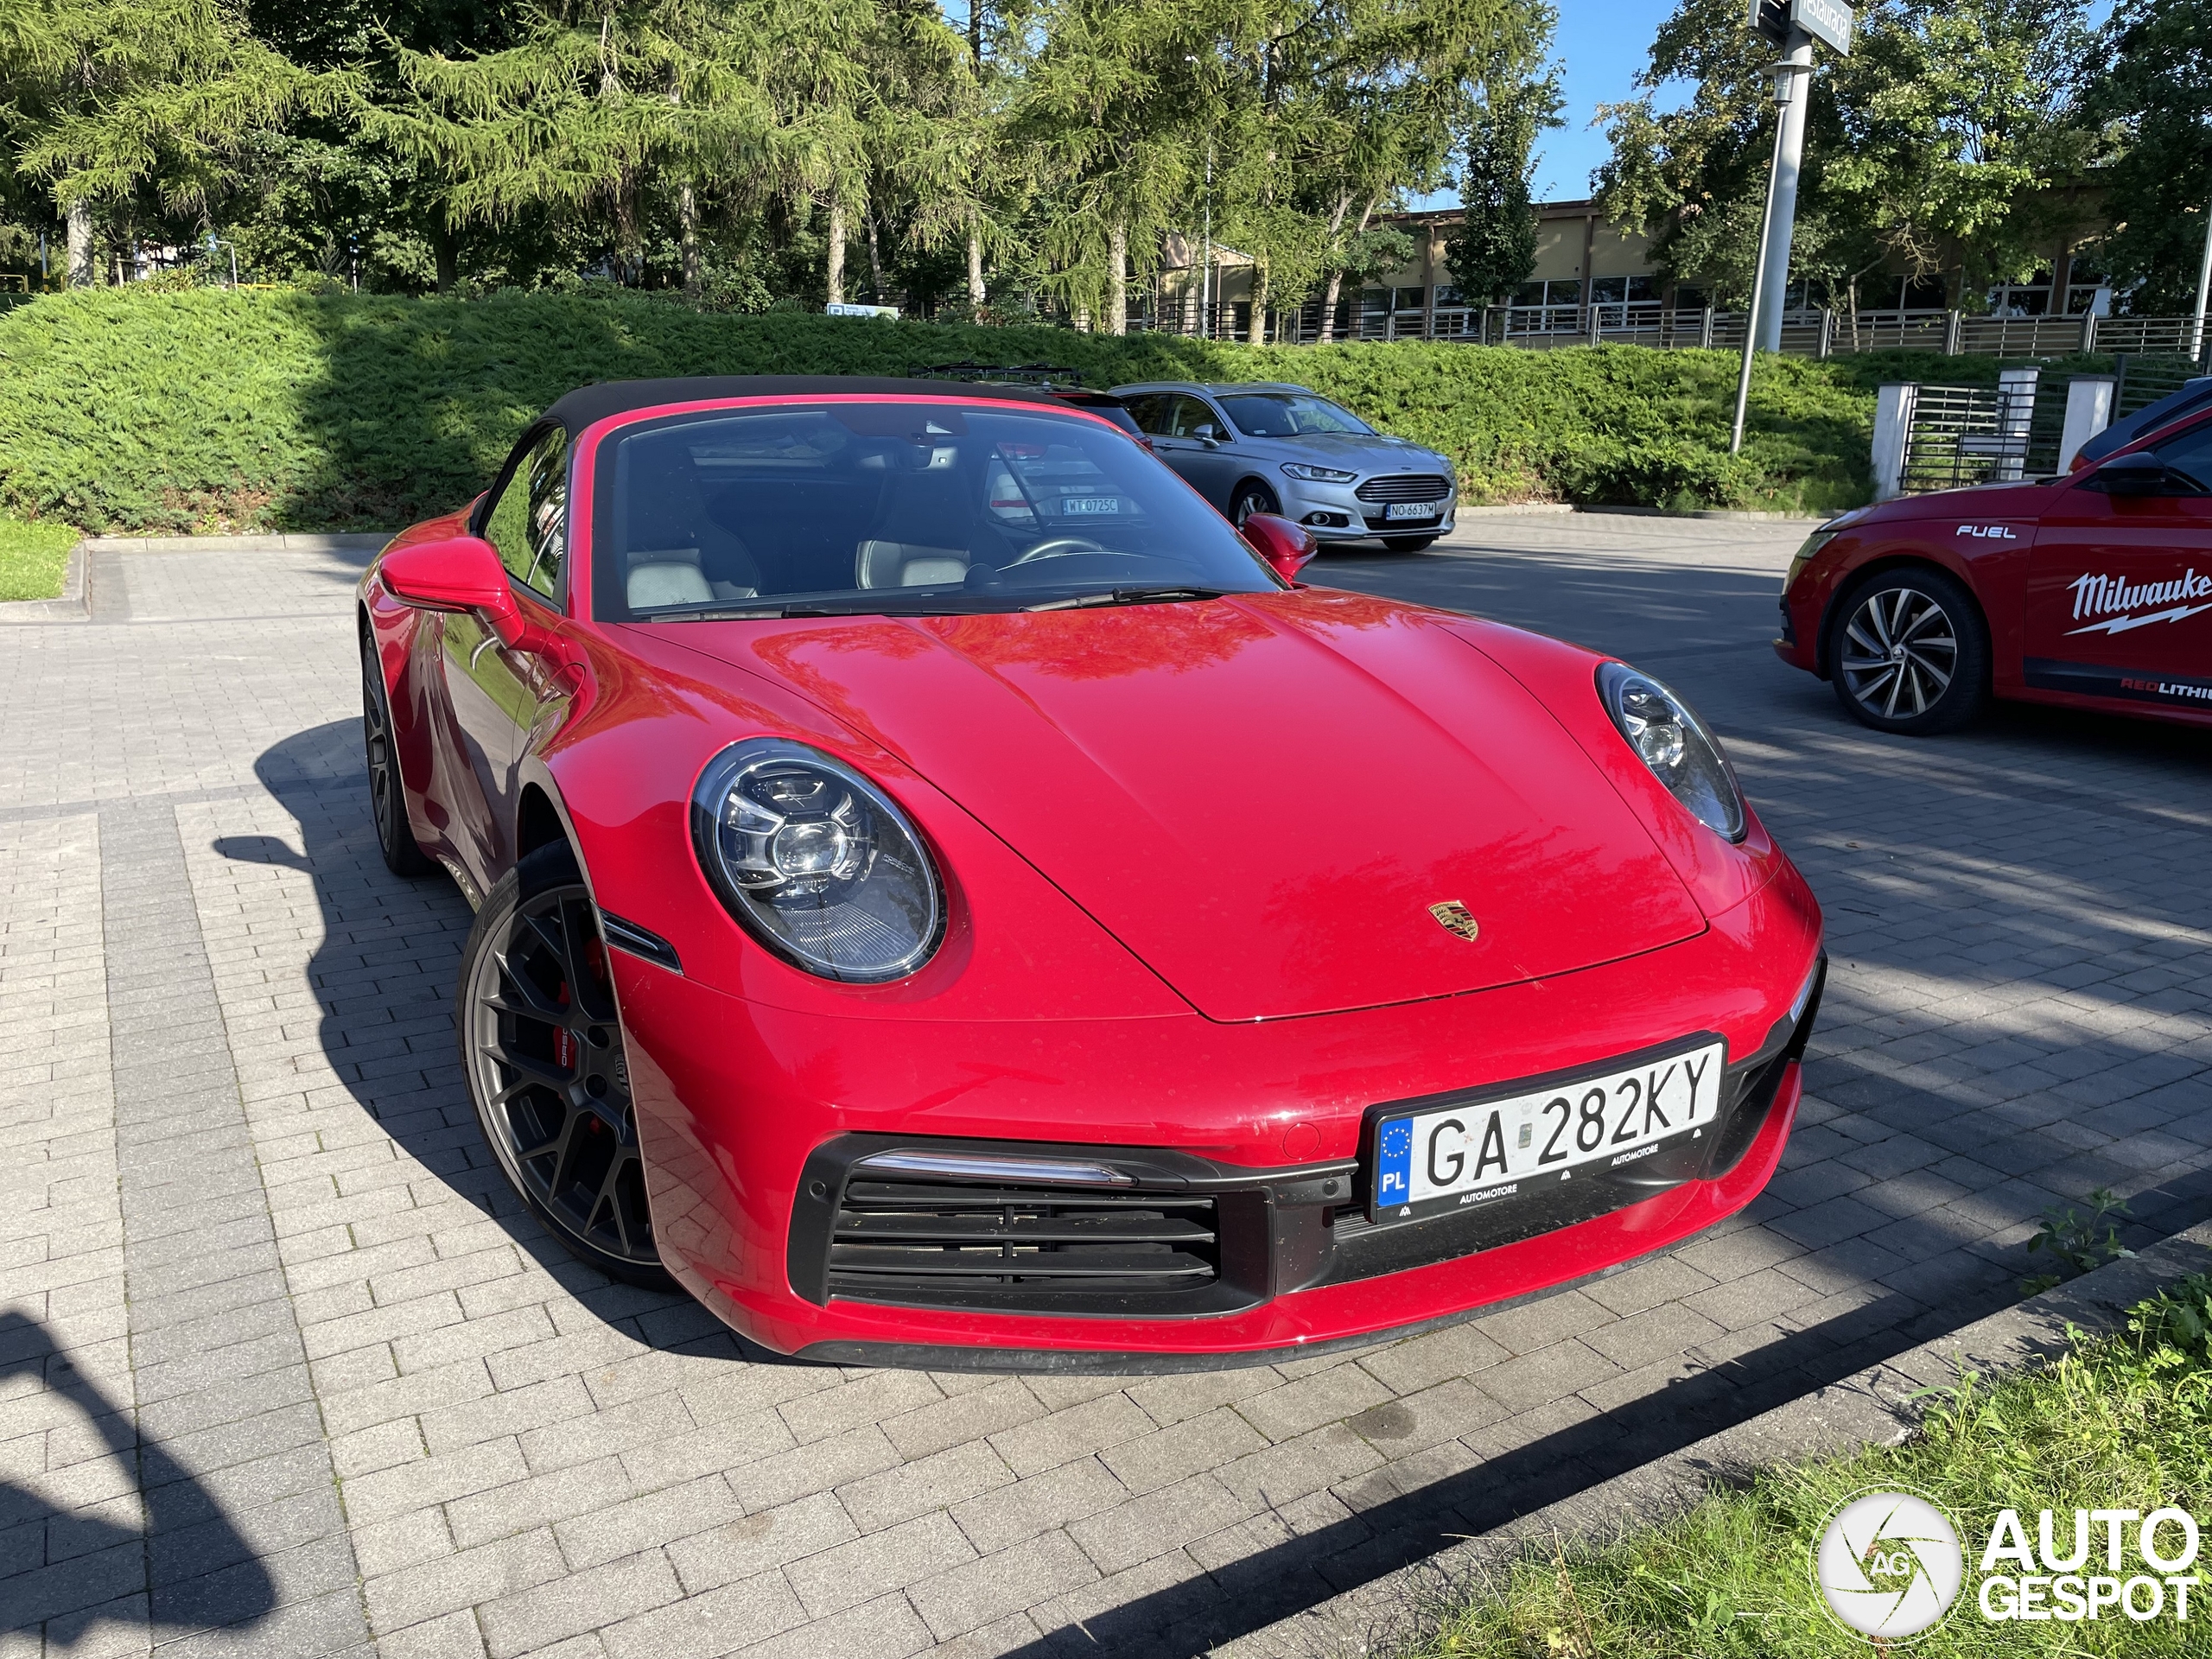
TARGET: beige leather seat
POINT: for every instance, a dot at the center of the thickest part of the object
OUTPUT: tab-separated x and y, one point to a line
671	575
908	564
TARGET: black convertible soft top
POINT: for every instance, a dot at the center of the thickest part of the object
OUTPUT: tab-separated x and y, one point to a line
580	408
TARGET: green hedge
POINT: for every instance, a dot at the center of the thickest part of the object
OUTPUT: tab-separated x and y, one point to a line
210	410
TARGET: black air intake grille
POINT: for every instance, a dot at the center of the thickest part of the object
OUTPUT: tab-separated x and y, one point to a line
1405	487
894	1236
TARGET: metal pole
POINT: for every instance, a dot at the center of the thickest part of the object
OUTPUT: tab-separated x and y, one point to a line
1206	283
1793	93
1758	295
2203	291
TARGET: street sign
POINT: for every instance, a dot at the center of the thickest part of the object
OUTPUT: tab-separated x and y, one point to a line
888	312
1828	22
1772	19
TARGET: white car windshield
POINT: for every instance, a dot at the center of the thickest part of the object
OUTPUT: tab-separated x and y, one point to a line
1289	414
895	508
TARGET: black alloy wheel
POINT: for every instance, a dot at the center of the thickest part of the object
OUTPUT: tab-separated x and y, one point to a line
1909	652
541	1041
387	802
1408	543
1251	498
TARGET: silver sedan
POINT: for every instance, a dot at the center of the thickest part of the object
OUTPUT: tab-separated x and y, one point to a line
1261	447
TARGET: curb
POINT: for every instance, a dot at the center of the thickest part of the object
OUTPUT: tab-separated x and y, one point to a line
69	608
1728	513
1873	1408
346	542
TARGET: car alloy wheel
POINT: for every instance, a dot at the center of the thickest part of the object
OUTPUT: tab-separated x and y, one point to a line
387	802
542	1043
1252	498
1910	652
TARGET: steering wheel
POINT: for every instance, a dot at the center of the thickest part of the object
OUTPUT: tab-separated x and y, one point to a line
1060	547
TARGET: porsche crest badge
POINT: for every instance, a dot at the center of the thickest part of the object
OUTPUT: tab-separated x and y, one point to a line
1455	917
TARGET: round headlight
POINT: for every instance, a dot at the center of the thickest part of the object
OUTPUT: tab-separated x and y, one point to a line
1674	742
817	862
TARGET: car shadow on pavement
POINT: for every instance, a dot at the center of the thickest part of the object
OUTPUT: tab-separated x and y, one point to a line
383	975
182	1565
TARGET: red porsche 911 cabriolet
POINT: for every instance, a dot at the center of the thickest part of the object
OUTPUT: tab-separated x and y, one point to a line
946	898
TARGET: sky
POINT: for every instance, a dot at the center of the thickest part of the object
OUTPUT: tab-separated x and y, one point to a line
1602	44
1599	47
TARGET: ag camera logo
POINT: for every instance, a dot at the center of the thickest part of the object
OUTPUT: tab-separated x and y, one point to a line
1888	1565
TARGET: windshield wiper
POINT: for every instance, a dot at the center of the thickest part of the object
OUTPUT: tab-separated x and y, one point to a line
1127	596
813	607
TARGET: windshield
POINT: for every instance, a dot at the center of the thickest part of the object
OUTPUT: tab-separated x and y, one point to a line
895	508
1289	414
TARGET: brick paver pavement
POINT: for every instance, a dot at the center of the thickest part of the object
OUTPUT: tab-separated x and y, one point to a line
283	1370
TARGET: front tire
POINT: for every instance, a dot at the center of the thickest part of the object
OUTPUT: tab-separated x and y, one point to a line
1251	498
541	1044
1909	652
402	856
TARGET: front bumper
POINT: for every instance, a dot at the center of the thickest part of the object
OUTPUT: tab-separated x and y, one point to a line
1797	640
1334	513
752	1118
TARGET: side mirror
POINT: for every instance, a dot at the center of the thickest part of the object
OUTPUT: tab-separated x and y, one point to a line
2139	473
1208	434
460	573
1284	545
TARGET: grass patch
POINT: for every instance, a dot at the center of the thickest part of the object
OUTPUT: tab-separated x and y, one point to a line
34	558
210	410
2122	1421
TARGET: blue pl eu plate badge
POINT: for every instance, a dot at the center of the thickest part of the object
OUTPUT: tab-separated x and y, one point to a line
1394	1164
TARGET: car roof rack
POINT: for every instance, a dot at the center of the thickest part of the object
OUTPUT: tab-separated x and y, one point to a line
1019	374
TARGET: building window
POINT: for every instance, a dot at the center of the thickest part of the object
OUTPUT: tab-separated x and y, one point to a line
1622	290
2089	293
2028	299
1903	294
1447	295
1409	299
1552	293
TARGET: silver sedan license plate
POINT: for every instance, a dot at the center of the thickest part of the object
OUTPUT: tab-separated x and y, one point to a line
1459	1157
1410	509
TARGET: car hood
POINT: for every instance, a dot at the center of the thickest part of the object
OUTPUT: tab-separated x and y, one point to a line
1364	452
2025	499
1263	797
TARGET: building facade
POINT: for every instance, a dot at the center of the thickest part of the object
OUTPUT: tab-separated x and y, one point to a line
1591	278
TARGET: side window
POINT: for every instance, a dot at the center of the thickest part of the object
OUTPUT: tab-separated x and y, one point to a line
529	523
1194	420
2191	455
1150	413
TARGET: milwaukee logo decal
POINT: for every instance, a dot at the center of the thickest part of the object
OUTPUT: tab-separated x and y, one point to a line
2101	596
1989	532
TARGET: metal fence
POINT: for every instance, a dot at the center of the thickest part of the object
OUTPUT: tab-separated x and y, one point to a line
2141	379
1817	332
1979	435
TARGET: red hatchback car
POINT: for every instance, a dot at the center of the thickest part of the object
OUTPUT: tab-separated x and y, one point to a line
2093	589
946	898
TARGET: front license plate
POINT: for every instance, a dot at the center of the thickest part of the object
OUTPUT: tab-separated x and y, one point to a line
1090	505
1458	1157
1410	509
